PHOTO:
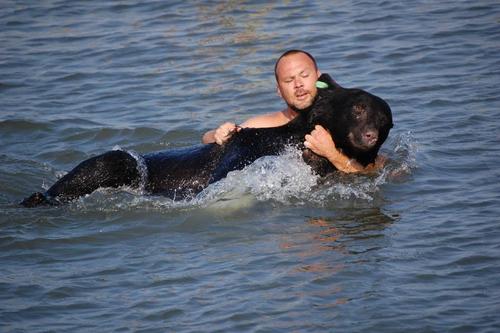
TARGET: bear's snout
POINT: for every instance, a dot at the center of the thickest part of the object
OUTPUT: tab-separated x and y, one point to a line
363	139
369	137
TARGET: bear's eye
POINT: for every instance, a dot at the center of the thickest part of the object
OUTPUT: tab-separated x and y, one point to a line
358	110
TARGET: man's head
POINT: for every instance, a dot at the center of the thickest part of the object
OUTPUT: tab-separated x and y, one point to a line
296	75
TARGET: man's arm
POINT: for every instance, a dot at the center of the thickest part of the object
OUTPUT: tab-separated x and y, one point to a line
221	134
321	143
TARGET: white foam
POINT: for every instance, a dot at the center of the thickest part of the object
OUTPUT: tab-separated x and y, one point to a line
278	178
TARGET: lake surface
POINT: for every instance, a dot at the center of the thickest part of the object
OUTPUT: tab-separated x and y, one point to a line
269	249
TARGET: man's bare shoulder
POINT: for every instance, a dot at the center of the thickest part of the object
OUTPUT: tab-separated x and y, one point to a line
269	120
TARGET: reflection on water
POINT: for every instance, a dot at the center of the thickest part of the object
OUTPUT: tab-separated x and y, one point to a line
232	53
348	226
349	233
332	250
245	29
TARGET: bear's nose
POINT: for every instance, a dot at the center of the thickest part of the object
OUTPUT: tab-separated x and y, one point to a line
370	137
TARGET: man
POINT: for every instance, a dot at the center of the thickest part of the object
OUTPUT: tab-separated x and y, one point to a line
296	74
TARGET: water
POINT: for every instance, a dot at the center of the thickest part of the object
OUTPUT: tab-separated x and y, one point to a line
414	249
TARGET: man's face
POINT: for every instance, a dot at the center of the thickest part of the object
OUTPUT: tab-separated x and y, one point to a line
297	78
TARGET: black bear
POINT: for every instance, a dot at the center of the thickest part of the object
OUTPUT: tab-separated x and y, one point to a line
358	121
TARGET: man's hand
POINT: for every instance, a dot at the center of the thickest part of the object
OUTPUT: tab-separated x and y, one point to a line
224	132
320	142
221	134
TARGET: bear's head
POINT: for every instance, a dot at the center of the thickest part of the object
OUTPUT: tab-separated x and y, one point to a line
358	121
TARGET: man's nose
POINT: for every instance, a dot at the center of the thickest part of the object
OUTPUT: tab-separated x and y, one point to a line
298	82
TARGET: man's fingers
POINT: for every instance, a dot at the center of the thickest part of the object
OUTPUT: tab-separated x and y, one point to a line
310	142
308	137
319	130
225	131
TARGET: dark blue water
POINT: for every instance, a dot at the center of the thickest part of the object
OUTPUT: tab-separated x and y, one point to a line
413	249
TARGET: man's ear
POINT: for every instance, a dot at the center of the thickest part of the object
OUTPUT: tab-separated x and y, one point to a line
278	91
318	73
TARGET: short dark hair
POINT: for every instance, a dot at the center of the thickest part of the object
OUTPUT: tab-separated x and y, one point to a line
290	52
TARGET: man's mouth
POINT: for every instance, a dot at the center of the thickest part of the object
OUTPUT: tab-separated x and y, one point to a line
301	95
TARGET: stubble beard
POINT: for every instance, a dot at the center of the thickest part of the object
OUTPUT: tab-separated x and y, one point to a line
304	108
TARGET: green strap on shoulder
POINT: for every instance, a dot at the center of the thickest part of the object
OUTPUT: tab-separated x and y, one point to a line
321	84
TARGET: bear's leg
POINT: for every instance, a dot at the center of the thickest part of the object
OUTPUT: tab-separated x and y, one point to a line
112	169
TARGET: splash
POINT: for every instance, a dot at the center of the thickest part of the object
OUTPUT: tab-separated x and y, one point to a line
284	180
405	152
281	178
288	180
402	154
142	169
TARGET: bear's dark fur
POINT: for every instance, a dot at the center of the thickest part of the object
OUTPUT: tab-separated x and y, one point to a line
359	123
